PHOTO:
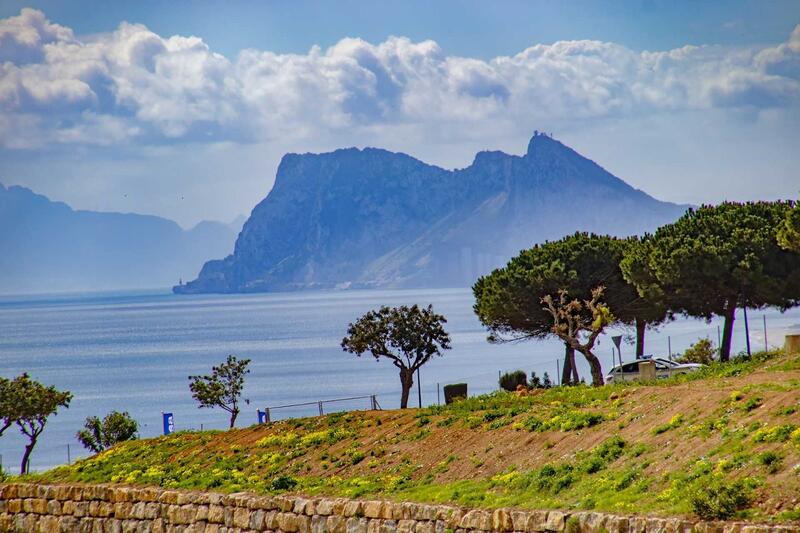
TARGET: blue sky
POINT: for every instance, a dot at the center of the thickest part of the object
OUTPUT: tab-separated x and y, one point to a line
183	109
473	28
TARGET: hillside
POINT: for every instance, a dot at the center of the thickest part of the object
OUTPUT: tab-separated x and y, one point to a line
373	218
47	246
635	448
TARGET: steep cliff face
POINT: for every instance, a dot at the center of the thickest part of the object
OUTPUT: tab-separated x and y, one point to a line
373	218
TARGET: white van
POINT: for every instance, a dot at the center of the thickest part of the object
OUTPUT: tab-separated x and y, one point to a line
664	369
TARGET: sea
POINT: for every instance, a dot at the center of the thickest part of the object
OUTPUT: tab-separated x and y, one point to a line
134	351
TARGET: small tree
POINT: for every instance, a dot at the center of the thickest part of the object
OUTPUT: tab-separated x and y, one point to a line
715	259
7	410
789	230
114	428
408	336
508	301
511	380
28	404
223	387
579	324
700	352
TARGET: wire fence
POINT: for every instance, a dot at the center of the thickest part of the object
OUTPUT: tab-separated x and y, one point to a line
278	412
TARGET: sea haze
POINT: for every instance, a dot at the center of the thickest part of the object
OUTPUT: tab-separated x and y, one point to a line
134	351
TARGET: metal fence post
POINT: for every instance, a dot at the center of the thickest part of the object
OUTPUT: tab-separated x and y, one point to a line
438	398
766	345
266	414
320	408
746	331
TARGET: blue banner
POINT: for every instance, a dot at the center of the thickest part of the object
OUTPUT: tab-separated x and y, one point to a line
169	423
262	417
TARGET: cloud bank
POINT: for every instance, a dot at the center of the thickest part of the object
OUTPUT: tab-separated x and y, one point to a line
132	86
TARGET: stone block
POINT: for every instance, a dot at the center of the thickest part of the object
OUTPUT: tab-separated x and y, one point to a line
318	524
66	524
112	525
450	515
406	526
556	521
53	507
47	524
14	506
169	497
353	508
26	490
9	492
81	509
388	526
357	525
287	522
216	514
476	519
425	526
335	524
257	519
271	520
299	506
241	517
501	520
425	512
374	526
325	506
152	510
372	509
227	513
35	505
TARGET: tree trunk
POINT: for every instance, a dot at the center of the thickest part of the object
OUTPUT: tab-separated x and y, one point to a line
234	414
566	372
641	325
406	382
575	377
23	469
727	331
596	368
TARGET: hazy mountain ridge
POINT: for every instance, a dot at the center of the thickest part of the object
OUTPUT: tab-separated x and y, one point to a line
374	218
47	246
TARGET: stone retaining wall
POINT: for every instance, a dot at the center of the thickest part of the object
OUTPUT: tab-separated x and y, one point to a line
109	508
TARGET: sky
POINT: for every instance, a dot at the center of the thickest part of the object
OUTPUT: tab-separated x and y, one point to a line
184	109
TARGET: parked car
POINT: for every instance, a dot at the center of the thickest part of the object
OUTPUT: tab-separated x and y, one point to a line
664	369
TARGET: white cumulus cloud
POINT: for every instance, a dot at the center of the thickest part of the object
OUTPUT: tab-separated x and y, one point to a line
135	86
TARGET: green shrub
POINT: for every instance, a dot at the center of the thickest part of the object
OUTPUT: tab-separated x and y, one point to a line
770	460
454	391
752	403
720	499
511	380
774	433
356	457
700	352
283	483
673	423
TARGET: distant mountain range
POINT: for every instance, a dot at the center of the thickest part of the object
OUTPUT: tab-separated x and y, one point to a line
46	246
372	218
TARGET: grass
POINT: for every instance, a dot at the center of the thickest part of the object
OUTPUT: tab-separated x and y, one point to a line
627	448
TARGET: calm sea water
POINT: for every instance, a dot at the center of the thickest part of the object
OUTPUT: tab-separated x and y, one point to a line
133	352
